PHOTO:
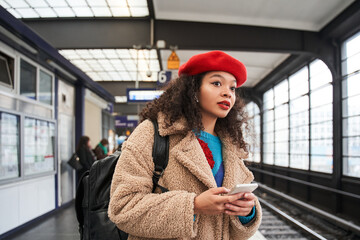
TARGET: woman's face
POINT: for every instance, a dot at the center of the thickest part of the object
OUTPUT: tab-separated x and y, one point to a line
217	94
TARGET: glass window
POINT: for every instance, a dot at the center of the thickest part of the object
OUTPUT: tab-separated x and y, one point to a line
269	158
299	84
299	161
322	163
351	166
254	138
351	87
322	147
351	65
282	111
282	159
322	96
39	145
269	99
321	114
281	92
299	133
45	88
299	119
299	147
319	74
6	70
27	80
351	146
322	130
9	146
269	116
350	104
299	105
351	126
282	123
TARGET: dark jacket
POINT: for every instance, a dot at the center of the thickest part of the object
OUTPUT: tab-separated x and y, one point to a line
87	158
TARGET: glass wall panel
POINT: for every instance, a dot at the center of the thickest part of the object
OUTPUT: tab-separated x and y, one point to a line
322	163
45	88
9	146
254	137
39	145
298	83
351	147
350	104
321	97
321	130
299	147
321	114
268	99
299	133
352	166
299	119
281	93
299	161
351	126
299	105
322	147
27	79
351	85
282	111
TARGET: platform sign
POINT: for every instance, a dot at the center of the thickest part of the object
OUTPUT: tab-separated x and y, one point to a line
164	77
138	95
124	122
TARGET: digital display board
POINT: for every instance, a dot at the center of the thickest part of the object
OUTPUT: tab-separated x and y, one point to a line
135	95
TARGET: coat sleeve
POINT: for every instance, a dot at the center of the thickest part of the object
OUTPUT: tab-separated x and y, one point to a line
240	231
133	207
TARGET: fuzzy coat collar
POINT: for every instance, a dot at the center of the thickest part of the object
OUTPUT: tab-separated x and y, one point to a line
191	151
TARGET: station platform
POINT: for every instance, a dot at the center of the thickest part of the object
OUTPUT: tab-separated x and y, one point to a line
62	225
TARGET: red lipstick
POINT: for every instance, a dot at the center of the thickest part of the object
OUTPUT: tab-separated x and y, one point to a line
224	105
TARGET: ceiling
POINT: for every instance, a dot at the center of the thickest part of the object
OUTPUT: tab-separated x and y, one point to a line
309	15
109	63
258	64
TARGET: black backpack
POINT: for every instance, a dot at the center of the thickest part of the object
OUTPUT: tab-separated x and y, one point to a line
93	192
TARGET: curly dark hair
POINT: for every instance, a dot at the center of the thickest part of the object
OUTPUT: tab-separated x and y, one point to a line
178	100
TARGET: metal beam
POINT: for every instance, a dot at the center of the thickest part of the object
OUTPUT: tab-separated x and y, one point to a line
124	33
92	33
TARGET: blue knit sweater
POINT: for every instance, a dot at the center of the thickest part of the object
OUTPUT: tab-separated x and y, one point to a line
215	147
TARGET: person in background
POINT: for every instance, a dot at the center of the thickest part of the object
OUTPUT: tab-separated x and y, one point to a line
101	150
204	119
85	154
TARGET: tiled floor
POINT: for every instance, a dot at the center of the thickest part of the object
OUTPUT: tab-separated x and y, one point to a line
61	225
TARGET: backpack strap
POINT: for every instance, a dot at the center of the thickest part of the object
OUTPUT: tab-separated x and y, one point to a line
160	156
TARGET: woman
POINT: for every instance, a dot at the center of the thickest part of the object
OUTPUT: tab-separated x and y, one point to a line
85	154
101	150
203	118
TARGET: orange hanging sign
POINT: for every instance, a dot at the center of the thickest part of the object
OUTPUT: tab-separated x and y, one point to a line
173	61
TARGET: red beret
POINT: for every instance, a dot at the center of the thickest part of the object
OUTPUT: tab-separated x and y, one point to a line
215	61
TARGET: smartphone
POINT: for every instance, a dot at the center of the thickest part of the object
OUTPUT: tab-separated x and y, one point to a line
245	188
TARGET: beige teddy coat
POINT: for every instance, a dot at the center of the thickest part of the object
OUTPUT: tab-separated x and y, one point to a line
145	215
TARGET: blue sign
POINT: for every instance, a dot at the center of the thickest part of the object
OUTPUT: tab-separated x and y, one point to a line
123	122
164	77
136	95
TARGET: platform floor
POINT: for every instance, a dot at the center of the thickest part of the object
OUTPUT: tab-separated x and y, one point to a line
62	225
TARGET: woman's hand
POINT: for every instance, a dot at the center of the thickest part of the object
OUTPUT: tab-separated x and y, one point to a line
211	202
241	206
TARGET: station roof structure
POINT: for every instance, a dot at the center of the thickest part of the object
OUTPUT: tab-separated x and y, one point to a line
118	40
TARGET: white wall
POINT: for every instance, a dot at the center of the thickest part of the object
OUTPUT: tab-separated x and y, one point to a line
23	201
